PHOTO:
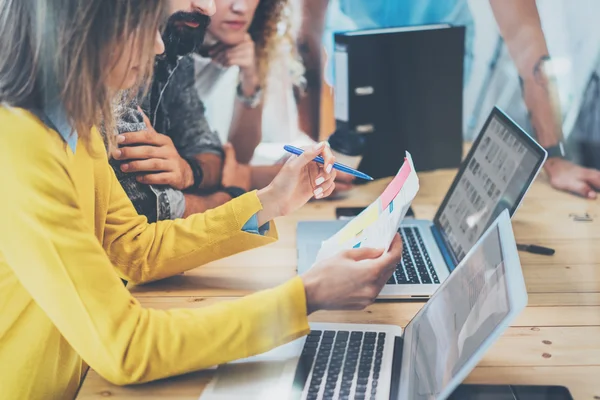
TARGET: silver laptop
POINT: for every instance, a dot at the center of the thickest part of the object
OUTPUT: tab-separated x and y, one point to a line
437	350
496	175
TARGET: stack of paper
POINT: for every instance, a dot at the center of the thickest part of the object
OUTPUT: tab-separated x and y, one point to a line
377	225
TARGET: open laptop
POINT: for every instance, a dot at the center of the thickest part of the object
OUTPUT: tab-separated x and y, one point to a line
496	175
437	350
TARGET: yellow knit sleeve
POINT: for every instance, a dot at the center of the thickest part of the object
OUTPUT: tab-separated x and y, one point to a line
144	252
54	254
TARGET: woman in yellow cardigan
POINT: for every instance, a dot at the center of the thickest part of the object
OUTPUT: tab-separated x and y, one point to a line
68	231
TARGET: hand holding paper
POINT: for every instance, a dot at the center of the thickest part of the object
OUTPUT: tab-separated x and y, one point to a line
376	226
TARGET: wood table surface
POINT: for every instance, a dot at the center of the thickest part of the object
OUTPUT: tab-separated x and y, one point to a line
555	341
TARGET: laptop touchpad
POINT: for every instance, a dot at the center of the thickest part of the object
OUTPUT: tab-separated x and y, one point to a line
251	380
266	376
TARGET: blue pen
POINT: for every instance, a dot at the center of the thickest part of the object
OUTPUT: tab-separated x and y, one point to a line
337	166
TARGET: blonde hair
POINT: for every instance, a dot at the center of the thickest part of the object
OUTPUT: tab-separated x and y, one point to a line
61	50
274	33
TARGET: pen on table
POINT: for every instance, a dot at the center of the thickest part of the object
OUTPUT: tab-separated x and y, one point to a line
534	249
337	166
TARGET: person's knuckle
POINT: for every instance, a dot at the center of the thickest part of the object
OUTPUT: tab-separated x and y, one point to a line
348	253
152	152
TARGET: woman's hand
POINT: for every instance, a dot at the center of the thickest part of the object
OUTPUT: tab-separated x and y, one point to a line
350	280
343	182
244	56
298	181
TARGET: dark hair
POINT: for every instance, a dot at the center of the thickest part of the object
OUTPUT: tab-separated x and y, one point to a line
61	50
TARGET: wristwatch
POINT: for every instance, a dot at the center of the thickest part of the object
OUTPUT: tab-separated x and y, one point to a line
249	101
196	171
558	150
233	191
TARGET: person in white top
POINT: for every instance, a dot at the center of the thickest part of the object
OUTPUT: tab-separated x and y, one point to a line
248	72
248	75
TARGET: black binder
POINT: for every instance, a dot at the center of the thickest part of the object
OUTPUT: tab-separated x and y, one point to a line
402	88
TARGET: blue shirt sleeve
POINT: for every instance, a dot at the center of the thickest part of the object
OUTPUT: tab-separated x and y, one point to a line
252	226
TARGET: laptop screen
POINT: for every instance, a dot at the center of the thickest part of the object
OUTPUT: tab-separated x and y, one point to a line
496	174
452	327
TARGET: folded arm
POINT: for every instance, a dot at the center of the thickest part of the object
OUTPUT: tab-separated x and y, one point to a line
189	130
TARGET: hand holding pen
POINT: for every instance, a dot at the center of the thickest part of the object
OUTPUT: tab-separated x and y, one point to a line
337	166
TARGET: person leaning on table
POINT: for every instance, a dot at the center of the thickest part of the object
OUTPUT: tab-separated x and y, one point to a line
69	231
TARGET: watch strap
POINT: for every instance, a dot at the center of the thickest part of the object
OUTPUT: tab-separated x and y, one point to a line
557	150
233	191
249	101
196	171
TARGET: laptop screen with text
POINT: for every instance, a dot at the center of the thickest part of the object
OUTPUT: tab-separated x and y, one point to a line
495	176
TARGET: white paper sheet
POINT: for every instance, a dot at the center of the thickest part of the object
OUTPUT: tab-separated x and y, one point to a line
377	225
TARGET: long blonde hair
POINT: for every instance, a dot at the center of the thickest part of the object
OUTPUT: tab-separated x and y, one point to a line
61	50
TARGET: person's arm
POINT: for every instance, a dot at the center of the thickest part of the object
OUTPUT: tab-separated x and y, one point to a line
235	175
212	168
245	132
309	47
195	204
521	28
49	244
263	175
144	252
189	129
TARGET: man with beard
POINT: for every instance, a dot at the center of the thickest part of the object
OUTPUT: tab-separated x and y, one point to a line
169	161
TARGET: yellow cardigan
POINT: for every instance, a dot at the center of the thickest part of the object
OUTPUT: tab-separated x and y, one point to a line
68	231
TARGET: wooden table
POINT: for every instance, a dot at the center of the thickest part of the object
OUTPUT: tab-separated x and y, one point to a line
556	340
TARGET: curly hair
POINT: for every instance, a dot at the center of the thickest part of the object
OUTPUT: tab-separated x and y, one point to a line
273	32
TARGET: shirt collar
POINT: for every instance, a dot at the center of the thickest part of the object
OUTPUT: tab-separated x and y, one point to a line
58	116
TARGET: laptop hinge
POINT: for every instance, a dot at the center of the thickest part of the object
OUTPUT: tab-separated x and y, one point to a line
396	368
444	249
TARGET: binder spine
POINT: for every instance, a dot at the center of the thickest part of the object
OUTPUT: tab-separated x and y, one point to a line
341	83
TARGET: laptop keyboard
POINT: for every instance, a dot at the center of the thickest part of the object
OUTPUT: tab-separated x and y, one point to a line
416	266
340	365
